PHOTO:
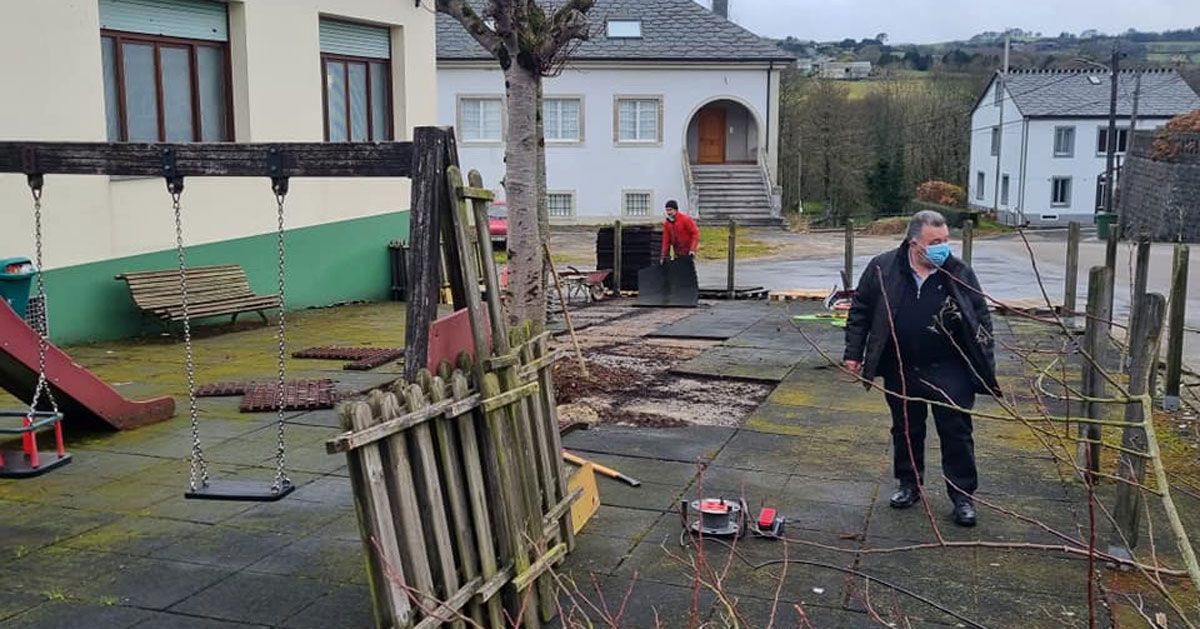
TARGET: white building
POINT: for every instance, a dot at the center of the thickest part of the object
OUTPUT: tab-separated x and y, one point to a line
845	70
208	71
1051	146
666	101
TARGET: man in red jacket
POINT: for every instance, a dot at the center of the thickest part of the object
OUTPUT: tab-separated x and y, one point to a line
680	232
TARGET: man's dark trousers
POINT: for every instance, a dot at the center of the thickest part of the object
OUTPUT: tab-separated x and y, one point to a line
944	382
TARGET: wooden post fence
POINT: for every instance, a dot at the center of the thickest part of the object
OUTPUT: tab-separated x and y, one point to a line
1131	461
618	254
1071	286
1110	258
968	240
848	263
732	260
1175	327
1095	346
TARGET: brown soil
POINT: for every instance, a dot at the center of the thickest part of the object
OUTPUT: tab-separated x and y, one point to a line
570	385
648	420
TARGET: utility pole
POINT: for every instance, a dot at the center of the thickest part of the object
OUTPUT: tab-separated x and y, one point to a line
1110	155
1002	88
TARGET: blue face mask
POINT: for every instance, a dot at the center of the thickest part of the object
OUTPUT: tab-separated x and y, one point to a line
938	254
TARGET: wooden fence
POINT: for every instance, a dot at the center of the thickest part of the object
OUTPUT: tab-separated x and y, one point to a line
458	476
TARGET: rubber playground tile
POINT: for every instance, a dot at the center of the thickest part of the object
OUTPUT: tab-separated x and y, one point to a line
808	421
225	547
348	606
696	443
183	621
648	496
134	535
630	602
14	603
27	526
147	583
747	363
317	557
644	469
771	332
756	611
255	598
294	514
755	487
847	492
718	322
594	554
623	522
73	615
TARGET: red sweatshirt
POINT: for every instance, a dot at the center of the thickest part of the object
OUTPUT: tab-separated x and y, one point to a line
682	234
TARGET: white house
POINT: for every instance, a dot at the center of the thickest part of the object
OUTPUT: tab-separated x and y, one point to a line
1044	164
845	70
209	71
668	100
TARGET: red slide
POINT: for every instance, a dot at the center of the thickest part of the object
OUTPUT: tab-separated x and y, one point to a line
83	398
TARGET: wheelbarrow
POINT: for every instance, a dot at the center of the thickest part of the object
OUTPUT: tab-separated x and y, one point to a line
586	284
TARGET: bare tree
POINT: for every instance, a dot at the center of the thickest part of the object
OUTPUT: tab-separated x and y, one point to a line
529	43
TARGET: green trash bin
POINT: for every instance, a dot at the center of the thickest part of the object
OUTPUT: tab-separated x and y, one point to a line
15	277
1104	223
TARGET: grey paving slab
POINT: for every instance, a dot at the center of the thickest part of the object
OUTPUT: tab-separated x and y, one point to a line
652	470
26	527
755	611
746	363
773	332
343	607
648	496
805	517
786	419
696	443
623	522
595	554
73	615
754	486
628	602
255	598
295	515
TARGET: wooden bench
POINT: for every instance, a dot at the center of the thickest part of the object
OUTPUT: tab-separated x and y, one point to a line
213	291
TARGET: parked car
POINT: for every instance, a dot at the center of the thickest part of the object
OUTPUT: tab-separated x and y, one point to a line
498	225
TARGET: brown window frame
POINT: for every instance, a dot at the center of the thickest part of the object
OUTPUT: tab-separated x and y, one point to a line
346	60
161	41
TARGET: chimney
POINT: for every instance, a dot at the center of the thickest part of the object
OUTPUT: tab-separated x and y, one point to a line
721	8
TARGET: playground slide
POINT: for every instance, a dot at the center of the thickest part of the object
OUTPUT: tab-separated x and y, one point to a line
83	398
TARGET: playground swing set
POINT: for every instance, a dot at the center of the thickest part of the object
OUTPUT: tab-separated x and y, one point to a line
173	162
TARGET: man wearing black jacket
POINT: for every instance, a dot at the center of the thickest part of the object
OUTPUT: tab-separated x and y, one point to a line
920	321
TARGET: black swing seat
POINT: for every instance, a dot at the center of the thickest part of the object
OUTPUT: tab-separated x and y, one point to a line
28	461
240	491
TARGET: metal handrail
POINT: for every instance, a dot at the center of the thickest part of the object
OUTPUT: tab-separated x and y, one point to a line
766	173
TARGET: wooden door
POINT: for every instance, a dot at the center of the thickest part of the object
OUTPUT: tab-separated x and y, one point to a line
712	135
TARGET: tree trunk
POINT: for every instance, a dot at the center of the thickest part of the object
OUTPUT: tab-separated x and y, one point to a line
525	277
543	200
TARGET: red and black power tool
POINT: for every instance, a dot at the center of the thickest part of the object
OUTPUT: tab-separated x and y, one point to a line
720	517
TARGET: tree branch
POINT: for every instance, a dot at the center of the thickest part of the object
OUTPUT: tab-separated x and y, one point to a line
473	23
569	23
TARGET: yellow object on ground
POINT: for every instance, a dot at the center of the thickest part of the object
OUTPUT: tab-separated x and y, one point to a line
584	478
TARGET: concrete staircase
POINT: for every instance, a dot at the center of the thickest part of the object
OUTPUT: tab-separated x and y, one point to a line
733	191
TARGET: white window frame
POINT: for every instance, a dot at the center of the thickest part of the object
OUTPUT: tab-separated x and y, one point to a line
574	204
620	98
630	23
625	194
1070	152
995	141
980	184
1054	184
458	119
582	118
1004	186
1102	131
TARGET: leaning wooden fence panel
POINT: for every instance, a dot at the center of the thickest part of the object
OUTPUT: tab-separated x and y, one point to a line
460	492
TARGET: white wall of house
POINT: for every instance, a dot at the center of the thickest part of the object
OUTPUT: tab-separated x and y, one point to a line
1028	158
598	169
54	90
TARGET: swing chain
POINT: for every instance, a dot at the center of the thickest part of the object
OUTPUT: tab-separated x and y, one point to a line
42	323
279	186
198	474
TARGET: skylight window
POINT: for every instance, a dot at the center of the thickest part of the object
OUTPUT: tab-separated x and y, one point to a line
1094	80
625	29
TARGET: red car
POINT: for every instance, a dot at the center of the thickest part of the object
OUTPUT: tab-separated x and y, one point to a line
498	225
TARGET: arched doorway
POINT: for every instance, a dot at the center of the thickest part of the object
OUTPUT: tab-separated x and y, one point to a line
723	131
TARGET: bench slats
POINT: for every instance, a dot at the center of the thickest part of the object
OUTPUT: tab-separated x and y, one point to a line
212	291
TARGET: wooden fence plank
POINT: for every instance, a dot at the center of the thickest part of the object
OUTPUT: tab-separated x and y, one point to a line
356	439
406	510
286	159
477	497
392	607
547	398
430	496
450	458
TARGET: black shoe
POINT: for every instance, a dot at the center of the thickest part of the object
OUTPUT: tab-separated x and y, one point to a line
905	497
964	513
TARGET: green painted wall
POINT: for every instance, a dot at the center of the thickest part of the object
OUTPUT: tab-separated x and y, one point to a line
326	264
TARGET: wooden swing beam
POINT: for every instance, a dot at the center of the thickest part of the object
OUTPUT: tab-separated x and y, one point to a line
289	159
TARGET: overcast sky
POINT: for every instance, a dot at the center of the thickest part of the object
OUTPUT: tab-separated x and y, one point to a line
926	21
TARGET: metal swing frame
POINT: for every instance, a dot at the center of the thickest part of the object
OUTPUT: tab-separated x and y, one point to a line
278	162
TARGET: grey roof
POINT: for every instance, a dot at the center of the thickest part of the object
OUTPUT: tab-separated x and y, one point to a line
1086	93
672	30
